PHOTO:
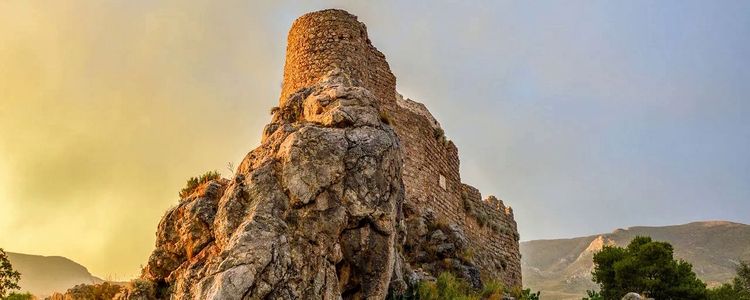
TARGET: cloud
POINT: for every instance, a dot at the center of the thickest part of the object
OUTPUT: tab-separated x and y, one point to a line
107	107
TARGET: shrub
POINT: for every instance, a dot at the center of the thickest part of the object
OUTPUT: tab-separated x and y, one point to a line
495	227
446	287
141	289
194	182
449	287
467	255
524	294
593	295
439	224
428	291
17	296
482	218
385	118
438	133
104	290
493	290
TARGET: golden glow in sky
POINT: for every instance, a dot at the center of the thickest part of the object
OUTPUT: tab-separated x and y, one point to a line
105	110
635	110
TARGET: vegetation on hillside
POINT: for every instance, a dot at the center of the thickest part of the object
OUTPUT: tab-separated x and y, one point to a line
136	289
101	291
144	289
194	182
8	277
449	287
649	268
739	289
20	296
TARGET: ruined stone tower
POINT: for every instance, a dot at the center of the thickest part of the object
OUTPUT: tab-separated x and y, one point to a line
353	193
322	41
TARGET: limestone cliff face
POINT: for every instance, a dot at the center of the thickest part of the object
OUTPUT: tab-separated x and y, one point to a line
353	193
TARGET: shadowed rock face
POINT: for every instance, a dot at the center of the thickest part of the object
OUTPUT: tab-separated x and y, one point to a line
310	214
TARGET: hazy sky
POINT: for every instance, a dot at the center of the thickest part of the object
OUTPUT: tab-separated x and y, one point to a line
584	116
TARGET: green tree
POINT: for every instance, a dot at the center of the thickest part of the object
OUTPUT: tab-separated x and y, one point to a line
646	267
723	292
8	277
742	280
739	289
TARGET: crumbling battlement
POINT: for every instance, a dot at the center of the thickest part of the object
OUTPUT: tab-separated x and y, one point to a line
493	233
331	39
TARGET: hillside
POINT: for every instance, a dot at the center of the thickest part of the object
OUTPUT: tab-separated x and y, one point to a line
43	275
562	268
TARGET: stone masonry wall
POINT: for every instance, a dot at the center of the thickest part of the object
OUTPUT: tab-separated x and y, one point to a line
322	41
428	156
493	234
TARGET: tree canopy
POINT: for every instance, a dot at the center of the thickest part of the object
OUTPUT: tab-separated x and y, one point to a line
8	277
646	267
739	289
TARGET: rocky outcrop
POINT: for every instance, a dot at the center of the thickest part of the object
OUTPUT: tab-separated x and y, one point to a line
310	214
434	247
354	193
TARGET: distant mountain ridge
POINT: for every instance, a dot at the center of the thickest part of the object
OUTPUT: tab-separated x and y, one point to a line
43	275
561	268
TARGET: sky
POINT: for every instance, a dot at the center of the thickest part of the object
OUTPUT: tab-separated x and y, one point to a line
584	116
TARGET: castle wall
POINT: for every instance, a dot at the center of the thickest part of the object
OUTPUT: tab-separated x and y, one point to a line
493	234
333	39
430	172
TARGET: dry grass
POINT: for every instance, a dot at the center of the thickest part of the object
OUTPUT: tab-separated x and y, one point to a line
195	182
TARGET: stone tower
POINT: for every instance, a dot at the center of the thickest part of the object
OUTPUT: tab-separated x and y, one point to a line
322	41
